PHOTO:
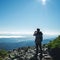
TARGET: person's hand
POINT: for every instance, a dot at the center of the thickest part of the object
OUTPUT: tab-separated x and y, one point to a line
36	31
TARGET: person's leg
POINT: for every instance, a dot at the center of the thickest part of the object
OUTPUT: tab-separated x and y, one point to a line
40	45
36	48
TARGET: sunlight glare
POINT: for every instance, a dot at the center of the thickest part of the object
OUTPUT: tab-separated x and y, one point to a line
43	2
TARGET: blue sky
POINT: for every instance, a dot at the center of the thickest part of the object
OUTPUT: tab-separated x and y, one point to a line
26	15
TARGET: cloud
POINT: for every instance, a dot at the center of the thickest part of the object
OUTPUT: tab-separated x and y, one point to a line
51	33
12	36
17	33
25	34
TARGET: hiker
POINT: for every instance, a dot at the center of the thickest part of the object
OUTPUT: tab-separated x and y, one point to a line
38	40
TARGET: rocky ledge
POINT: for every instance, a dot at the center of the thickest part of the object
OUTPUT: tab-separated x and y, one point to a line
26	53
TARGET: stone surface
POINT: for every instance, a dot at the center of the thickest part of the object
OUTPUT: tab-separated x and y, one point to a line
26	53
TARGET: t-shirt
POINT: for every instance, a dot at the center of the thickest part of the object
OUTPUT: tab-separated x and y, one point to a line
38	36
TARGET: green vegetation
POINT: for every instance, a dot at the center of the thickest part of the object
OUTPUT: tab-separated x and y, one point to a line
55	43
1	58
3	54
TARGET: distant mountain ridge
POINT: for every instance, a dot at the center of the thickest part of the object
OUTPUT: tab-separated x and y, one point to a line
16	44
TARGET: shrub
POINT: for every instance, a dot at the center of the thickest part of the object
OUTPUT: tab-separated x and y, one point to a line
3	53
55	43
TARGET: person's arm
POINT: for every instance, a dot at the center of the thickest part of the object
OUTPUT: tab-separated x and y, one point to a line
35	33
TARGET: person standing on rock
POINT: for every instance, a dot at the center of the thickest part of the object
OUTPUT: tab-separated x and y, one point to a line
38	40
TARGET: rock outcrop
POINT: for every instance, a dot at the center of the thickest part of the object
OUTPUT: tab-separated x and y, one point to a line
26	53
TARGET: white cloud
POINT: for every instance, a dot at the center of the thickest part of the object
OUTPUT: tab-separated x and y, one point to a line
20	33
51	33
12	36
24	34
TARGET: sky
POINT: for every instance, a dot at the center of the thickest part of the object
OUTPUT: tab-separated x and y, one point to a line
25	16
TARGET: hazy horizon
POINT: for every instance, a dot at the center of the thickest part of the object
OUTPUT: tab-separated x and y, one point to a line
45	36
